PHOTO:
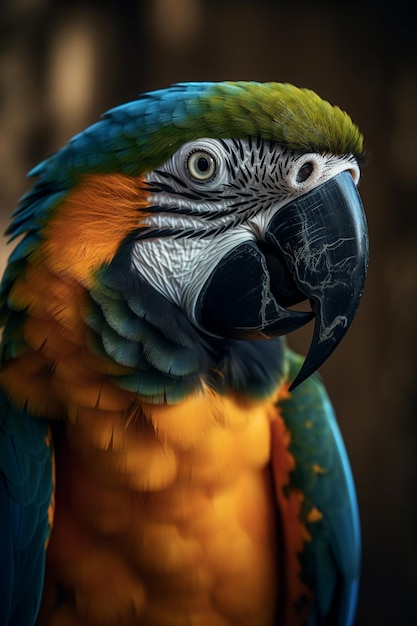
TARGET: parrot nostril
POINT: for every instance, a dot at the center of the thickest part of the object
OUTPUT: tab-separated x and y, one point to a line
304	172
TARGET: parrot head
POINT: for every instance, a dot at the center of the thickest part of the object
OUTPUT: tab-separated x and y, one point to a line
249	206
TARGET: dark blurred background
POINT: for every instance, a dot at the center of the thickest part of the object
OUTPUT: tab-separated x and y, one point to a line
63	63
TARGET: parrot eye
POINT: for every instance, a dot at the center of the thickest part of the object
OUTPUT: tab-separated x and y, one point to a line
199	163
201	166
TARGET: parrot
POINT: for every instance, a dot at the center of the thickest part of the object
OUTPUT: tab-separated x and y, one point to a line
166	459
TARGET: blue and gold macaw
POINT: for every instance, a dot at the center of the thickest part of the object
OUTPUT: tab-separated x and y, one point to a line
165	459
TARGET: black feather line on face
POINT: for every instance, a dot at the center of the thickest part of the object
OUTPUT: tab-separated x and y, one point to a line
178	233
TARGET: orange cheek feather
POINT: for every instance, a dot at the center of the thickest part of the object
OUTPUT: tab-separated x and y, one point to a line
88	227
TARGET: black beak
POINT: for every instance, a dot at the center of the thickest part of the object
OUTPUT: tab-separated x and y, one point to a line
315	248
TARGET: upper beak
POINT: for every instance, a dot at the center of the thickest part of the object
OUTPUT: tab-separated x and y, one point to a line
315	248
323	238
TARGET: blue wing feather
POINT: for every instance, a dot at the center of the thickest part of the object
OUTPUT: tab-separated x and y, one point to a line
25	495
331	560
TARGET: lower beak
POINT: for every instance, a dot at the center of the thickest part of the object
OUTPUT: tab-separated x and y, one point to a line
315	248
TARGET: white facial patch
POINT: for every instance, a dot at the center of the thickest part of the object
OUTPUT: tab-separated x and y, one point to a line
210	197
178	268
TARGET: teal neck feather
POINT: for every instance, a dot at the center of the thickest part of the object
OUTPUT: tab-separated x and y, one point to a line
167	356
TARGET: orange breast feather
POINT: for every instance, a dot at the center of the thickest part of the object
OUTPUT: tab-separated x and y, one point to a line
156	528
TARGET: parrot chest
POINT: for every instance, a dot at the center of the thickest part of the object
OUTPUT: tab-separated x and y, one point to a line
169	526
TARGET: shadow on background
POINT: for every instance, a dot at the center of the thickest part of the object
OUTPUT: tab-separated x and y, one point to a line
62	64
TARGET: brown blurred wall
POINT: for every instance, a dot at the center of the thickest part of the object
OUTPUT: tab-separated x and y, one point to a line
62	64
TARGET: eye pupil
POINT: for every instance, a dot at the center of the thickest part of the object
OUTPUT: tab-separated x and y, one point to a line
304	172
203	164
